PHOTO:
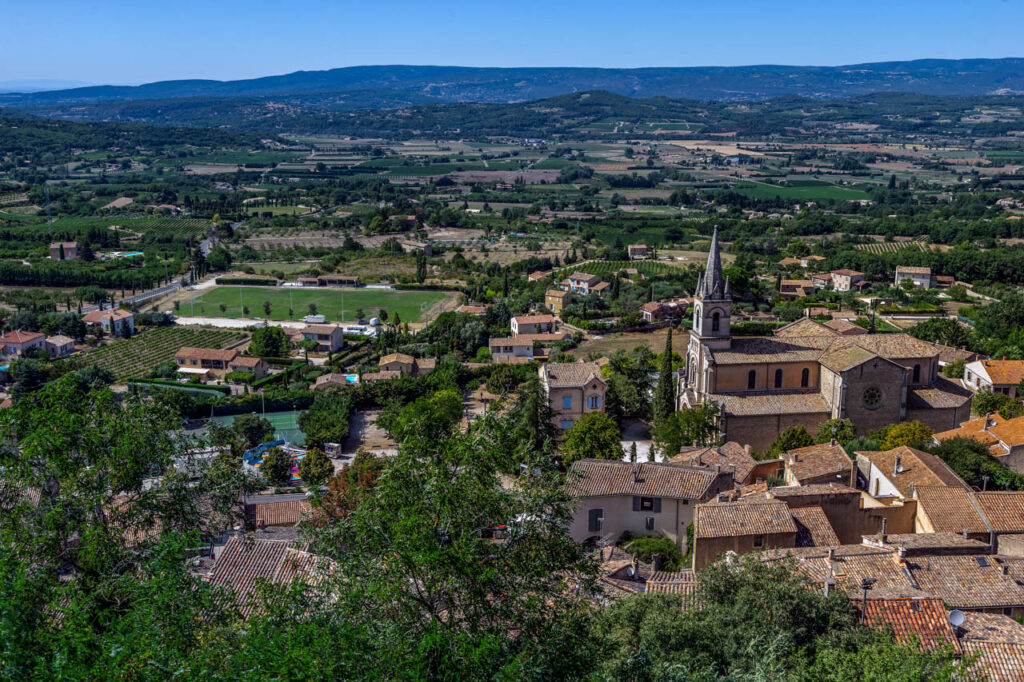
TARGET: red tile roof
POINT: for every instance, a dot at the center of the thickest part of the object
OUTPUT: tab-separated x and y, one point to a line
275	513
716	520
597	478
924	618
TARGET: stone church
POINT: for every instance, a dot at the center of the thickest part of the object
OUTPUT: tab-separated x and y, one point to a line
807	373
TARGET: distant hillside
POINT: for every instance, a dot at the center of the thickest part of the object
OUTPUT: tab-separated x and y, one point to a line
380	84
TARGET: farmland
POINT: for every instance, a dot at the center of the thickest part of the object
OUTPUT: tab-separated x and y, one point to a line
136	356
605	268
800	190
410	305
877	248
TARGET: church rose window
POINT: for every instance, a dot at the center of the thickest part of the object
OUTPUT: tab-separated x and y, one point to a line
872	397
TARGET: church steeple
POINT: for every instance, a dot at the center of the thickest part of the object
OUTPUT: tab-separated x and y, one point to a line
712	302
713	285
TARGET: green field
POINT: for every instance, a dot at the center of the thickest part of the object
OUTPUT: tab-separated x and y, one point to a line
410	305
810	190
136	356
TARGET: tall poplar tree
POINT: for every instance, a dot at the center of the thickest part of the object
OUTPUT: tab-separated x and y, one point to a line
665	392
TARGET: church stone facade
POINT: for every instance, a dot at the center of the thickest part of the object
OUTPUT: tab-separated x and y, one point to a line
808	373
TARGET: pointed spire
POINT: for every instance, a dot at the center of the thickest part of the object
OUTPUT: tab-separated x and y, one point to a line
728	289
714	286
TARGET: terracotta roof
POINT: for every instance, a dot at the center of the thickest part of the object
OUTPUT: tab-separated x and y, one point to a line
242	562
813	489
596	478
716	520
950	509
997	661
509	341
570	374
59	340
846	327
917	468
19	336
397	357
815	461
600	286
556	293
927	542
908	617
97	316
1004	511
584	277
848	273
771	403
549	337
331	379
912	270
942	394
991	627
805	326
535	319
246	361
381	376
731	457
1010	432
1004	371
813	528
275	513
975	429
966	582
321	329
850	565
206	354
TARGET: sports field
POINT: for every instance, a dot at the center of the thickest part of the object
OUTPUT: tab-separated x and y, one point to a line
410	305
286	425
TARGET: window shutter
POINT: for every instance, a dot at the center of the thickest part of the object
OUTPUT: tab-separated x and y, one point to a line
657	505
636	503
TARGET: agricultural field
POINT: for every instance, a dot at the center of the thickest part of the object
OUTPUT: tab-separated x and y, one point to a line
609	267
338	305
920	244
136	356
801	190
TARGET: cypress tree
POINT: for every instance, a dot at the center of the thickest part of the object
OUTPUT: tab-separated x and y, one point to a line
665	392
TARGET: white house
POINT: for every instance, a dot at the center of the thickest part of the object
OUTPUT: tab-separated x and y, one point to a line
533	324
1000	376
510	350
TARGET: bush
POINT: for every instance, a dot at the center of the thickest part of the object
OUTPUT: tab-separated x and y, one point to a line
645	549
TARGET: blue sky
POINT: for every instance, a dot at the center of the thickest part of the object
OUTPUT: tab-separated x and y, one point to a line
147	40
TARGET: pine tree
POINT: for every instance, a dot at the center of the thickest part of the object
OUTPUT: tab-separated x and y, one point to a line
632	452
665	392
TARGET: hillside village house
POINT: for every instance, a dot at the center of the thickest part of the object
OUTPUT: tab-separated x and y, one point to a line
330	338
510	350
60	346
573	389
656	311
846	280
637	251
894	474
824	463
406	364
478	309
64	251
555	300
649	499
533	324
790	289
14	344
113	321
999	376
921	277
584	284
807	373
258	367
1004	438
204	361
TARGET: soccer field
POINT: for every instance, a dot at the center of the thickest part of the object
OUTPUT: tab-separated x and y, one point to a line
337	305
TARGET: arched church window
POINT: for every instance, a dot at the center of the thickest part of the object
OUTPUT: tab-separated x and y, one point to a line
751	379
714	321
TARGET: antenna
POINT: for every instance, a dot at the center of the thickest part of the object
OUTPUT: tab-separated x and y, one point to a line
956	618
49	218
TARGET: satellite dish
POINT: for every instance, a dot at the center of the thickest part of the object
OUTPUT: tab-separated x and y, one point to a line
956	618
632	572
899	468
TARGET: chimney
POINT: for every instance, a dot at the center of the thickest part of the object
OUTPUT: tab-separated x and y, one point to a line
746	448
965	532
1004	569
898	465
636	474
883	535
833	443
831	553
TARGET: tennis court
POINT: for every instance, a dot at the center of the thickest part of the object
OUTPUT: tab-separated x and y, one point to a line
286	425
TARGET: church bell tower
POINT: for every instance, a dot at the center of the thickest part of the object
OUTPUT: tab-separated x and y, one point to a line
712	305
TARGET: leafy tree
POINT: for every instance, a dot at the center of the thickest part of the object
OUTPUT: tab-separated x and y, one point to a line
628	375
987	401
791	438
347	488
659	549
973	462
594	436
252	429
862	444
315	467
632	452
954	370
326	420
276	468
914	434
503	379
693	426
665	393
842	430
533	417
266	310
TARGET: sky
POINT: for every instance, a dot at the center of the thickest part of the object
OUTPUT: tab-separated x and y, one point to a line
122	42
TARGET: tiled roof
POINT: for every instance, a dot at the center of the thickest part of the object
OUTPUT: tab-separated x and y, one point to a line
242	562
973	429
927	542
1004	511
549	337
321	329
805	326
761	349
570	374
534	319
991	627
332	378
771	403
59	340
1004	371
730	456
718	520
245	361
509	341
815	461
18	336
596	478
922	617
943	394
275	513
850	565
966	582
848	273
556	293
813	528
998	661
846	327
917	468
842	358
1010	431
584	277
97	316
813	489
397	357
912	270
950	509
206	354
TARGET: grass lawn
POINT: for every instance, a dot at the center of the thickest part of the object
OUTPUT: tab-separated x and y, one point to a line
809	190
410	305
